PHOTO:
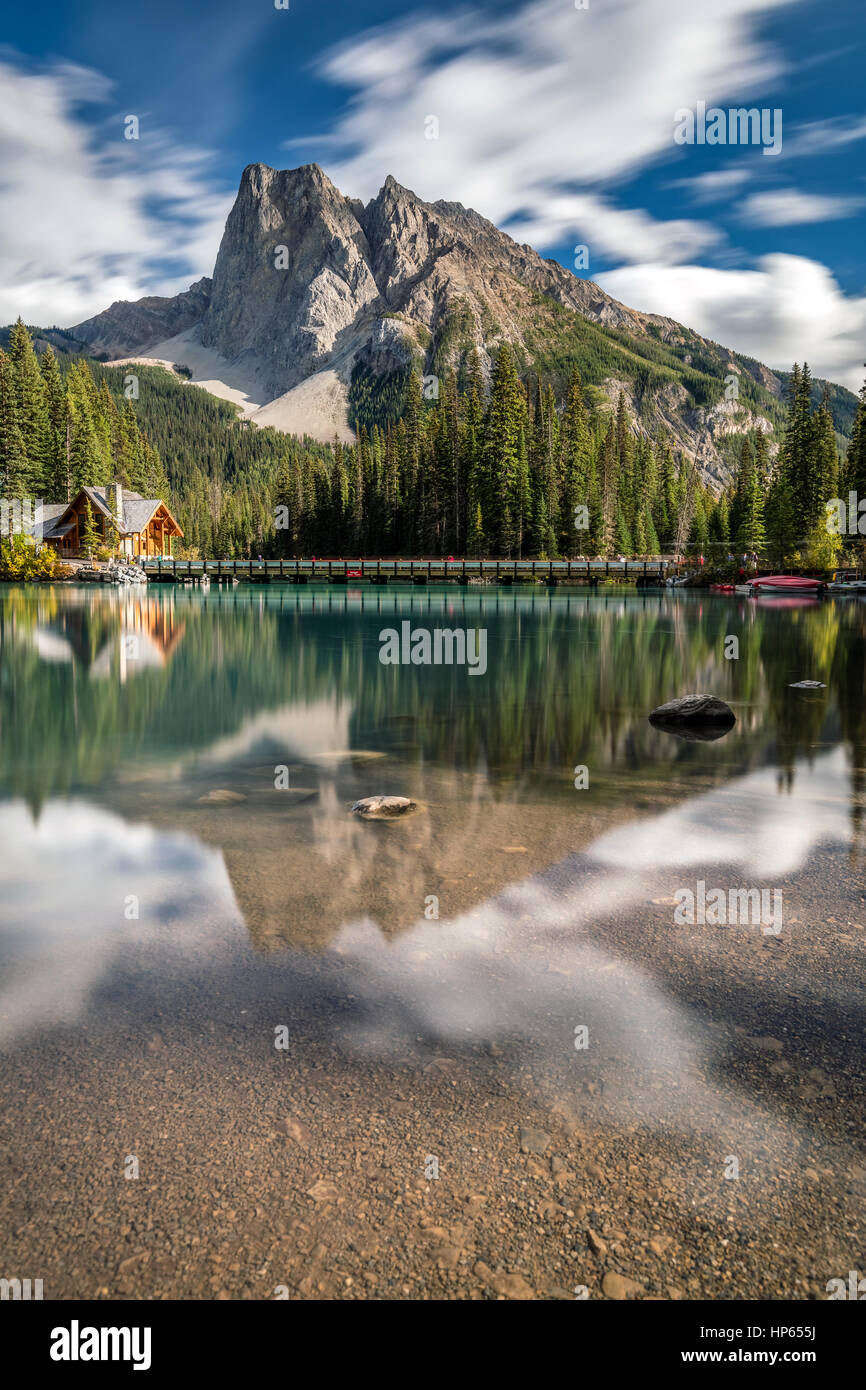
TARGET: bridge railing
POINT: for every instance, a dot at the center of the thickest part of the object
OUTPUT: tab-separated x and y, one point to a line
372	569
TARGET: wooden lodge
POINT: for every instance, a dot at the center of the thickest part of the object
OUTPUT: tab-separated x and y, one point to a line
138	526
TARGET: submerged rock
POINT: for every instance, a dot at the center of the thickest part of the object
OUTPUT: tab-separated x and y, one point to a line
808	685
696	717
533	1141
383	807
618	1287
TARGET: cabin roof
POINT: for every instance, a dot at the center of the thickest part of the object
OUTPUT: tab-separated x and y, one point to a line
137	511
52	510
50	518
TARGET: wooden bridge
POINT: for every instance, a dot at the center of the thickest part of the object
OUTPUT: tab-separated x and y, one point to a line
163	569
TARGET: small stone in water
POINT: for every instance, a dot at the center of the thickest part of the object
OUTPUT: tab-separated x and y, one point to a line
382	807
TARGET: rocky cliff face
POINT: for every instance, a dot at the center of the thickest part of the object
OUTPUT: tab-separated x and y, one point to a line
309	283
292	280
127	327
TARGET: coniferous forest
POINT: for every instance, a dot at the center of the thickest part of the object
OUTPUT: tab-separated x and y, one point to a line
503	469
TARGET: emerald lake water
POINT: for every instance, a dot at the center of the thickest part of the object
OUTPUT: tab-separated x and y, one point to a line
231	732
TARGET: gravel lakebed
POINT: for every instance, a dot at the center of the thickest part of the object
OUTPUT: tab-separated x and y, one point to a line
430	1130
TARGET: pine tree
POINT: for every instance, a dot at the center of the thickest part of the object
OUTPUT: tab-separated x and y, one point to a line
523	510
720	529
413	520
608	491
15	473
112	530
684	506
361	473
471	431
797	451
87	466
824	469
626	498
32	416
750	528
339	508
665	514
781	525
575	466
699	535
475	546
285	518
55	481
89	537
855	462
502	488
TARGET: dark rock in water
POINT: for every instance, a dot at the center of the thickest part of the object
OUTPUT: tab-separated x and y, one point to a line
383	807
695	709
696	717
808	685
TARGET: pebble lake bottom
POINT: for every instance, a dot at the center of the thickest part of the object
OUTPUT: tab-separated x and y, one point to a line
256	1047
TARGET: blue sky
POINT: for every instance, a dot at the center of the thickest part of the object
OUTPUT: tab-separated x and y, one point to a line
554	121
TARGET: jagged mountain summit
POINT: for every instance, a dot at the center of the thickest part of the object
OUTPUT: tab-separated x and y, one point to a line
314	291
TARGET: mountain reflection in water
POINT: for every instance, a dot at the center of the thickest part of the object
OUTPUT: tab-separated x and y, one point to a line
231	687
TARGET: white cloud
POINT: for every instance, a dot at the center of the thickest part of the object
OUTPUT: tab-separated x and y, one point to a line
534	103
788	207
79	225
716	185
820	137
626	234
785	309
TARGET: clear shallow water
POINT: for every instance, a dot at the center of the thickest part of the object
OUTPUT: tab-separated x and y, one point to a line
165	905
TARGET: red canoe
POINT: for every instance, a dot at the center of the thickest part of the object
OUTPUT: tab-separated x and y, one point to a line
785	584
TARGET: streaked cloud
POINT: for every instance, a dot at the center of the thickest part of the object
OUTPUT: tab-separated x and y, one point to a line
822	137
626	234
538	103
716	185
786	308
788	207
86	216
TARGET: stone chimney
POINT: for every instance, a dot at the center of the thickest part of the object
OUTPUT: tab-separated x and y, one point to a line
115	500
